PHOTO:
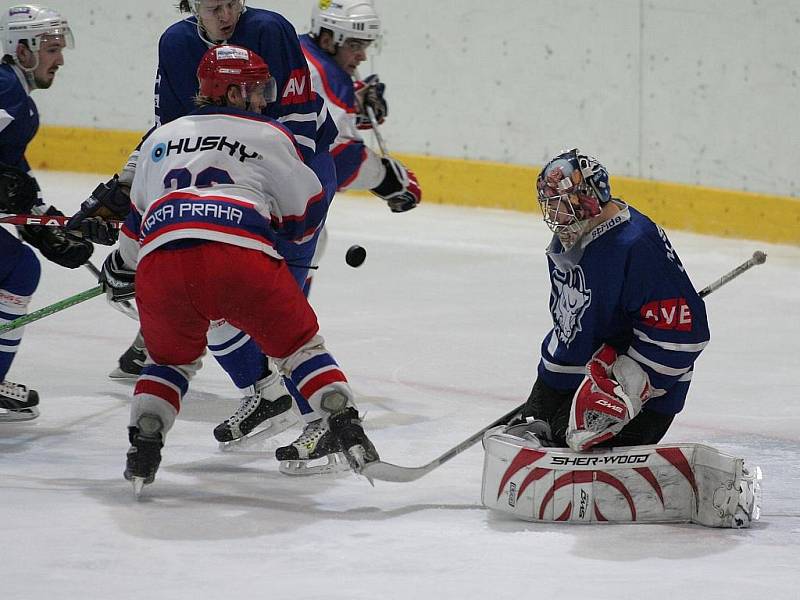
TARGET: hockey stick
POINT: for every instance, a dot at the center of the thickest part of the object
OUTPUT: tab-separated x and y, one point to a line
53	308
384	471
378	136
758	258
44	220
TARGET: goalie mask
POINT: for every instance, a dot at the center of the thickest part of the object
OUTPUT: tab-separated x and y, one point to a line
572	189
30	24
346	19
224	66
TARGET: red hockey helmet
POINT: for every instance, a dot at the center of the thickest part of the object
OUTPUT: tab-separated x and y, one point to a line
224	66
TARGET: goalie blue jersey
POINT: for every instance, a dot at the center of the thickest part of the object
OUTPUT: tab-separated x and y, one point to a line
19	118
624	285
274	39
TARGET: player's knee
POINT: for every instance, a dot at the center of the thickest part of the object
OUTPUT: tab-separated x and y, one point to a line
24	278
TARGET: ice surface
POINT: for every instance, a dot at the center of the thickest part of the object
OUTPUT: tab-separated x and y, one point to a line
439	334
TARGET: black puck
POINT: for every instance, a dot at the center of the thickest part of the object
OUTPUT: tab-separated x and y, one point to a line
355	256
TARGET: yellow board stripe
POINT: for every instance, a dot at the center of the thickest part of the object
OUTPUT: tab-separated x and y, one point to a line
725	213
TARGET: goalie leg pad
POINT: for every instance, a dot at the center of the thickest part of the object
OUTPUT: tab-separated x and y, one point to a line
674	483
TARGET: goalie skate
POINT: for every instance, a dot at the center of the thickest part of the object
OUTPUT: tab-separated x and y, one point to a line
17	403
315	452
268	407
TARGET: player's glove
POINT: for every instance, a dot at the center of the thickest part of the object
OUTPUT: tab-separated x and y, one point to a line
110	200
369	93
611	394
399	187
18	190
118	280
57	245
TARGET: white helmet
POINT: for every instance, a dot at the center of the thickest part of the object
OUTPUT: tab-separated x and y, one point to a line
29	22
346	19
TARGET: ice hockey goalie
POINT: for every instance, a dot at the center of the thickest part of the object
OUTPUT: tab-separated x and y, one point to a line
665	483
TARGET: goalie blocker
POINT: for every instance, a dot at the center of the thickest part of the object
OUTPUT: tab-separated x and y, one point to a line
665	483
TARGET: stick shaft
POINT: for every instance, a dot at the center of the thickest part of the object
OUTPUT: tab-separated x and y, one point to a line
378	136
45	220
53	308
758	258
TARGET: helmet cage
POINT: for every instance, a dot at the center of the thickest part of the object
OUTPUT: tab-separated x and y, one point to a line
571	189
32	25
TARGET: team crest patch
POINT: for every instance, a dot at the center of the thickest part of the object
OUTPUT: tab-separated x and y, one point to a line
569	302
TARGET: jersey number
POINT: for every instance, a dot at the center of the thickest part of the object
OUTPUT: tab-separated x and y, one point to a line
182	178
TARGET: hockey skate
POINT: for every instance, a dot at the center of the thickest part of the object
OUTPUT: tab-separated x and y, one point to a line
17	403
315	452
269	404
356	446
131	363
144	455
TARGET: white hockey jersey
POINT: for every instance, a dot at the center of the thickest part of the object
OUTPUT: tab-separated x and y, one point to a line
225	175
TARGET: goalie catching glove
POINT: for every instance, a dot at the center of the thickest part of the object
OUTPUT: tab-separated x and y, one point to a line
611	394
399	187
117	279
369	94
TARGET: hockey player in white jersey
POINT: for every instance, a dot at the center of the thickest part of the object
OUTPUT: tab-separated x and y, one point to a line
218	197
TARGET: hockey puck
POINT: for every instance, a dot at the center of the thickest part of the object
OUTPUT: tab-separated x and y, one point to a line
355	256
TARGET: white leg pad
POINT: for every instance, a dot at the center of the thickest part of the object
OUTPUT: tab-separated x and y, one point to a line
671	483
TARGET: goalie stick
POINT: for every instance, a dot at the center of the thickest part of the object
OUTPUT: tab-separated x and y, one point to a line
384	471
758	258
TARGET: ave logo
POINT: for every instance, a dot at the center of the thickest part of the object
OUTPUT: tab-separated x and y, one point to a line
673	313
297	89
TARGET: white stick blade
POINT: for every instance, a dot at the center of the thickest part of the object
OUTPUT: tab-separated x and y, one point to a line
383	471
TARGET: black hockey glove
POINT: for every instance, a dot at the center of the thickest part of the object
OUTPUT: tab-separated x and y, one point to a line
109	200
369	93
399	187
18	190
56	244
117	279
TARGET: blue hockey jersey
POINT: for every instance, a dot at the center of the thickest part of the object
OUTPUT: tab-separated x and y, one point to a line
19	118
274	39
623	284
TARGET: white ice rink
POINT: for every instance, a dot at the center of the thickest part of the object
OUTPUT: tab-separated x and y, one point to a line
439	334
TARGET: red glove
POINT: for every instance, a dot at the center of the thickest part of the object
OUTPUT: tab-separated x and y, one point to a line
611	394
